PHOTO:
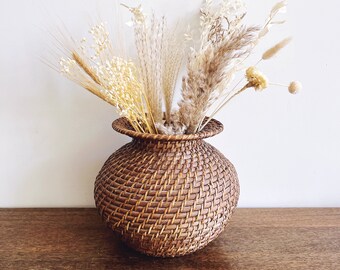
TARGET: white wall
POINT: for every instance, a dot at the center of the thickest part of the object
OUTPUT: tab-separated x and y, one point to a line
55	136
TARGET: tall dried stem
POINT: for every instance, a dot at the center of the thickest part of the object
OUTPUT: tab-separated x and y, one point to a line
160	54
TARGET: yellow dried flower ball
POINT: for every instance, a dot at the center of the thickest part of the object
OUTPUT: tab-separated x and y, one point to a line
294	87
256	79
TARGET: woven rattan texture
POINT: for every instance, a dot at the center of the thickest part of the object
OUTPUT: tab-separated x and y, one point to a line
167	197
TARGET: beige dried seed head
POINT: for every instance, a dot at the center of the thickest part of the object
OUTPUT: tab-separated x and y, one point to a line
274	50
294	87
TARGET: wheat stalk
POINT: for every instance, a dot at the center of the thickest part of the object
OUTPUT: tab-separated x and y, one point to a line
76	57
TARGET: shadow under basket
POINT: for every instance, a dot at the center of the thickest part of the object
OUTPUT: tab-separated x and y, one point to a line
167	195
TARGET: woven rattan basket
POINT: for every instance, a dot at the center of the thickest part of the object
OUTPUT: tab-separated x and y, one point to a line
166	195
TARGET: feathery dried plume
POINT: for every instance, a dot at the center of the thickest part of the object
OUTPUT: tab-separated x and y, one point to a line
212	67
275	49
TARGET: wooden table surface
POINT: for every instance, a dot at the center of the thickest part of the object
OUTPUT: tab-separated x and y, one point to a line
256	239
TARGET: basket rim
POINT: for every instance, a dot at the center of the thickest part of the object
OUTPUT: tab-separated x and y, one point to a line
122	125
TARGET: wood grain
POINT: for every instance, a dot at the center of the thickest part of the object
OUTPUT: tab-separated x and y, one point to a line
256	239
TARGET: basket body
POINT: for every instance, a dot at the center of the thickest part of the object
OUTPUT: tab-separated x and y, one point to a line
167	195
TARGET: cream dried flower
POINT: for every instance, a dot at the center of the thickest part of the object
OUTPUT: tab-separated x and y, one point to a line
256	79
294	87
139	16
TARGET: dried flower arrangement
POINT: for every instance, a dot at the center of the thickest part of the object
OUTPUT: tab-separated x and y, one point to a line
142	90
